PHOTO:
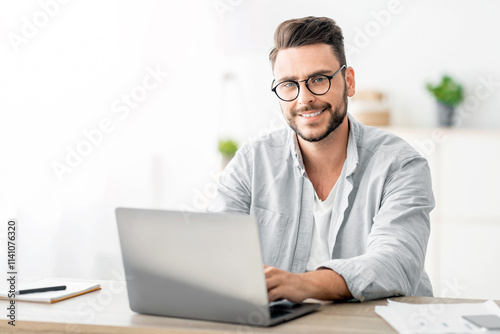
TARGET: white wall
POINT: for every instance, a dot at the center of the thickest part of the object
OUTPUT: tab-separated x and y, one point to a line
67	77
397	53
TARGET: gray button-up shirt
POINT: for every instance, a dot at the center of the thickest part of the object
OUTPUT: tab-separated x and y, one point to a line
380	219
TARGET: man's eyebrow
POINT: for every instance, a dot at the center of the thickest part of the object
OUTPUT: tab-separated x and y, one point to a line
294	78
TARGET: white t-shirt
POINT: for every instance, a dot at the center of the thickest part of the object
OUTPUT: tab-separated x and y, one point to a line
320	248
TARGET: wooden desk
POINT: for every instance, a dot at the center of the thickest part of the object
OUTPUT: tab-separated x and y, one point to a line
107	311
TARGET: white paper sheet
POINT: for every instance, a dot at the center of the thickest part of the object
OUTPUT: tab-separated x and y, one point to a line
435	318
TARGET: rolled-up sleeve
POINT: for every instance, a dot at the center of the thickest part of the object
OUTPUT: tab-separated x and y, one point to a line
396	246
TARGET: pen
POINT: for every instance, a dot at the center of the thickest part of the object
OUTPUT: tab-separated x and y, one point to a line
49	288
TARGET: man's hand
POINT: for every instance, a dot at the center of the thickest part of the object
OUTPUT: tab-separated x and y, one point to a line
320	284
282	284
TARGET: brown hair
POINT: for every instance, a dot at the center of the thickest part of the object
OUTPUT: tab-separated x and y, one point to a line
306	31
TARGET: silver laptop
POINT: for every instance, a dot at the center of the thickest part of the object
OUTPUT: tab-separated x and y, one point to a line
198	265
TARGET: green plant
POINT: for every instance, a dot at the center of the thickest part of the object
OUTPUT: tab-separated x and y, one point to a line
227	147
447	91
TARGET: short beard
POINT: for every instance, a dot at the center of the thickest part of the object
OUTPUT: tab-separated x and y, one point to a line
337	117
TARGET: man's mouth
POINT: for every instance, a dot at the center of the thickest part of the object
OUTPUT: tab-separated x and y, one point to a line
312	114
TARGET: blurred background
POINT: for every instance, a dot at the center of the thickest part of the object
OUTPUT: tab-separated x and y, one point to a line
123	103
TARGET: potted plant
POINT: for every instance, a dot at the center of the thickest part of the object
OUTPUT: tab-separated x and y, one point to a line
227	148
448	94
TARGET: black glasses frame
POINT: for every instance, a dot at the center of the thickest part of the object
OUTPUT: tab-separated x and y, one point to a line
297	83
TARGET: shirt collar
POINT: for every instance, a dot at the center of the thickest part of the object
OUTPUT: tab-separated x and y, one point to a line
352	159
296	152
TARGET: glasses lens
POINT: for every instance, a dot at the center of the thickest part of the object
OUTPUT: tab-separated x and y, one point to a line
287	90
318	84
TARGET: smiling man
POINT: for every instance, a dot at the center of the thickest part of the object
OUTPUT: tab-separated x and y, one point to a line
343	209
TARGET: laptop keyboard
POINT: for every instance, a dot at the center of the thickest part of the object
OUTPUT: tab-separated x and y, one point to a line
279	308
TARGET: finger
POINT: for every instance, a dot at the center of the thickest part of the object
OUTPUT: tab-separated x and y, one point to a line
272	282
268	268
269	271
273	295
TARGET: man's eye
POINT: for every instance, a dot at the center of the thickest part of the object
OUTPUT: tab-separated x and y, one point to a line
289	84
318	79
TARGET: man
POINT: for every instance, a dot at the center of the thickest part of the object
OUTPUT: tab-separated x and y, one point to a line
343	209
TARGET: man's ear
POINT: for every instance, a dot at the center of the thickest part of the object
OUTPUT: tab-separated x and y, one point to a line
350	81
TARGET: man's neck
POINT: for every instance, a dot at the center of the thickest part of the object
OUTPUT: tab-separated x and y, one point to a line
327	153
324	160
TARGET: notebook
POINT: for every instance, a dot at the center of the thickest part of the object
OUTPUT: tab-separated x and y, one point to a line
73	289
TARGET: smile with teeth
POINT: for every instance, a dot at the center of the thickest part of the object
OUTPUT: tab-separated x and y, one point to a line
313	114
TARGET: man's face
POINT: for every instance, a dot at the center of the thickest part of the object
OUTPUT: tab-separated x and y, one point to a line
314	117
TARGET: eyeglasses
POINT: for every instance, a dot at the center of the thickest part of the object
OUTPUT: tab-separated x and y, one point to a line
319	84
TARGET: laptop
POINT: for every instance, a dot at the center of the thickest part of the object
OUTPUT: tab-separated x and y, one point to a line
204	266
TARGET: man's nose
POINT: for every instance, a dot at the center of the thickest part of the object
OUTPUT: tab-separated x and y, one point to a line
305	95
